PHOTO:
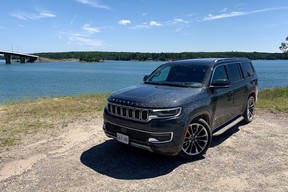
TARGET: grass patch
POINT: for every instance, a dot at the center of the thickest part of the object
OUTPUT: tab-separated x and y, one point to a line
27	118
18	120
274	99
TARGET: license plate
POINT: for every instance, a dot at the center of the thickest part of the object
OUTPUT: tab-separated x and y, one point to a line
122	138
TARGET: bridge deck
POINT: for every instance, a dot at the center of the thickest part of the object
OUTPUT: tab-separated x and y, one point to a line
23	56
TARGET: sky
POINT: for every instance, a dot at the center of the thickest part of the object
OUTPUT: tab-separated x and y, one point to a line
33	26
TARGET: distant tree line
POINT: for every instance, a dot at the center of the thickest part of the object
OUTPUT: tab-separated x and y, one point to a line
139	56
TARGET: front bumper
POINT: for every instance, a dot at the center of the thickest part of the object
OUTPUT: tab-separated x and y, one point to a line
162	135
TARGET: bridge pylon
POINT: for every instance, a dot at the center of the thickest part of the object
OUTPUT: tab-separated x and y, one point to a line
7	58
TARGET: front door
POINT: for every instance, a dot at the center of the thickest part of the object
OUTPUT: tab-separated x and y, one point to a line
222	99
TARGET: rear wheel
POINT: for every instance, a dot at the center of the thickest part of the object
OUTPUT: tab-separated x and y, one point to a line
250	110
197	139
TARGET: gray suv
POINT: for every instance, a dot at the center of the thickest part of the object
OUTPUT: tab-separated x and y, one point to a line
181	104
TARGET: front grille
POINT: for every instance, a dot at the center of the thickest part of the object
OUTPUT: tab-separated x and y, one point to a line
128	112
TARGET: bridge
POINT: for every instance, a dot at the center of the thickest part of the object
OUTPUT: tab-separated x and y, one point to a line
23	57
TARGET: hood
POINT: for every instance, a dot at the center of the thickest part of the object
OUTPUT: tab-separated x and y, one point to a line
154	96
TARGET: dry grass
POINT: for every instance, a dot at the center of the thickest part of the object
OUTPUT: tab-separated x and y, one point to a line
27	118
30	117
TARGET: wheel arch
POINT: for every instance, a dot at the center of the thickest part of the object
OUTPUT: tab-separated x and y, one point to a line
252	94
189	140
205	115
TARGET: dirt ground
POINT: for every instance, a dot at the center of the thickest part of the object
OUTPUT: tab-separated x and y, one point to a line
251	157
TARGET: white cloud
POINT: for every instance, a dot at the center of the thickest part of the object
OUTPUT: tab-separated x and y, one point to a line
224	15
238	13
82	39
180	21
223	10
179	29
86	41
73	34
94	4
154	23
33	16
89	29
73	19
46	14
146	25
124	22
141	26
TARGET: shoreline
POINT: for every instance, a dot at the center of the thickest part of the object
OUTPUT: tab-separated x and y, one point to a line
27	99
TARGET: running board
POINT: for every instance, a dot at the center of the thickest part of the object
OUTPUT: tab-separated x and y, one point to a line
232	124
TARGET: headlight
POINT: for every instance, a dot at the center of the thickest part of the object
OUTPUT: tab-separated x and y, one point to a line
165	113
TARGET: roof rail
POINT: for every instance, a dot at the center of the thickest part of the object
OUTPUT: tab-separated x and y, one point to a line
231	59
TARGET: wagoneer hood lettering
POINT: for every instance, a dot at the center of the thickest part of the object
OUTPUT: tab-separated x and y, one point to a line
153	96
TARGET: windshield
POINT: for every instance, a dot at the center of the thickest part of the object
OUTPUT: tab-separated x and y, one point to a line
178	75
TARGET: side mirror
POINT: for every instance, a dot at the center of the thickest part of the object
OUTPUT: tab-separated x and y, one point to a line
145	77
220	83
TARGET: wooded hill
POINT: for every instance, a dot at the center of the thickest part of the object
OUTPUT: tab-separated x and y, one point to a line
126	56
94	56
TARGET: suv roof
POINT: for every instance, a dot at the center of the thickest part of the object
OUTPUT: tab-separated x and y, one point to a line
208	61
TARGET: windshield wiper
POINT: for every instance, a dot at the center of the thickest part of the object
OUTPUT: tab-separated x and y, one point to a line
175	85
152	83
169	84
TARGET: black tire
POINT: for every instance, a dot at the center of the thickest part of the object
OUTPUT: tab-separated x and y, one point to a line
250	110
197	139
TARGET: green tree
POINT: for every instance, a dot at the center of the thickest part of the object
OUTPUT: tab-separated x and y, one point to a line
284	46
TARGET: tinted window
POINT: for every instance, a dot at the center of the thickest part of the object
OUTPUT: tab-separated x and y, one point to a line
161	75
234	73
189	73
247	69
178	75
220	73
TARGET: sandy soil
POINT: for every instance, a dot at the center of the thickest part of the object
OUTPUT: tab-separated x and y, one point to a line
80	157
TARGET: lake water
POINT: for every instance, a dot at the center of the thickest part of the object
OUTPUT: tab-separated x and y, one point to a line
34	80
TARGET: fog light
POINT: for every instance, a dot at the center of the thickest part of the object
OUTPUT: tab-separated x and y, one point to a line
152	140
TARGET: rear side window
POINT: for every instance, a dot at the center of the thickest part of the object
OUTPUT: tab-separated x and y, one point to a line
234	73
247	69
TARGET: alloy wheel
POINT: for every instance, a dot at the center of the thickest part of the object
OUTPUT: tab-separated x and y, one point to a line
250	108
196	139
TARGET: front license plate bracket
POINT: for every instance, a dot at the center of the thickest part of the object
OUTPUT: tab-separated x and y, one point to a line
123	138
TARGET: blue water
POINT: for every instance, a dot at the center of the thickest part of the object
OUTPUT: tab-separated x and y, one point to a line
34	80
272	73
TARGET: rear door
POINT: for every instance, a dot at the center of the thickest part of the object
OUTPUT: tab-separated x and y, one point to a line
239	88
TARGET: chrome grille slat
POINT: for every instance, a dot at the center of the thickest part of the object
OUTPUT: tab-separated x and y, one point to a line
127	112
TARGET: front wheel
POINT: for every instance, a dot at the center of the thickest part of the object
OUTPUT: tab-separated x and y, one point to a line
197	139
250	110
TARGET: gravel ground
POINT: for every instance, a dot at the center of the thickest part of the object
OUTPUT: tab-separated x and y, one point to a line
251	157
